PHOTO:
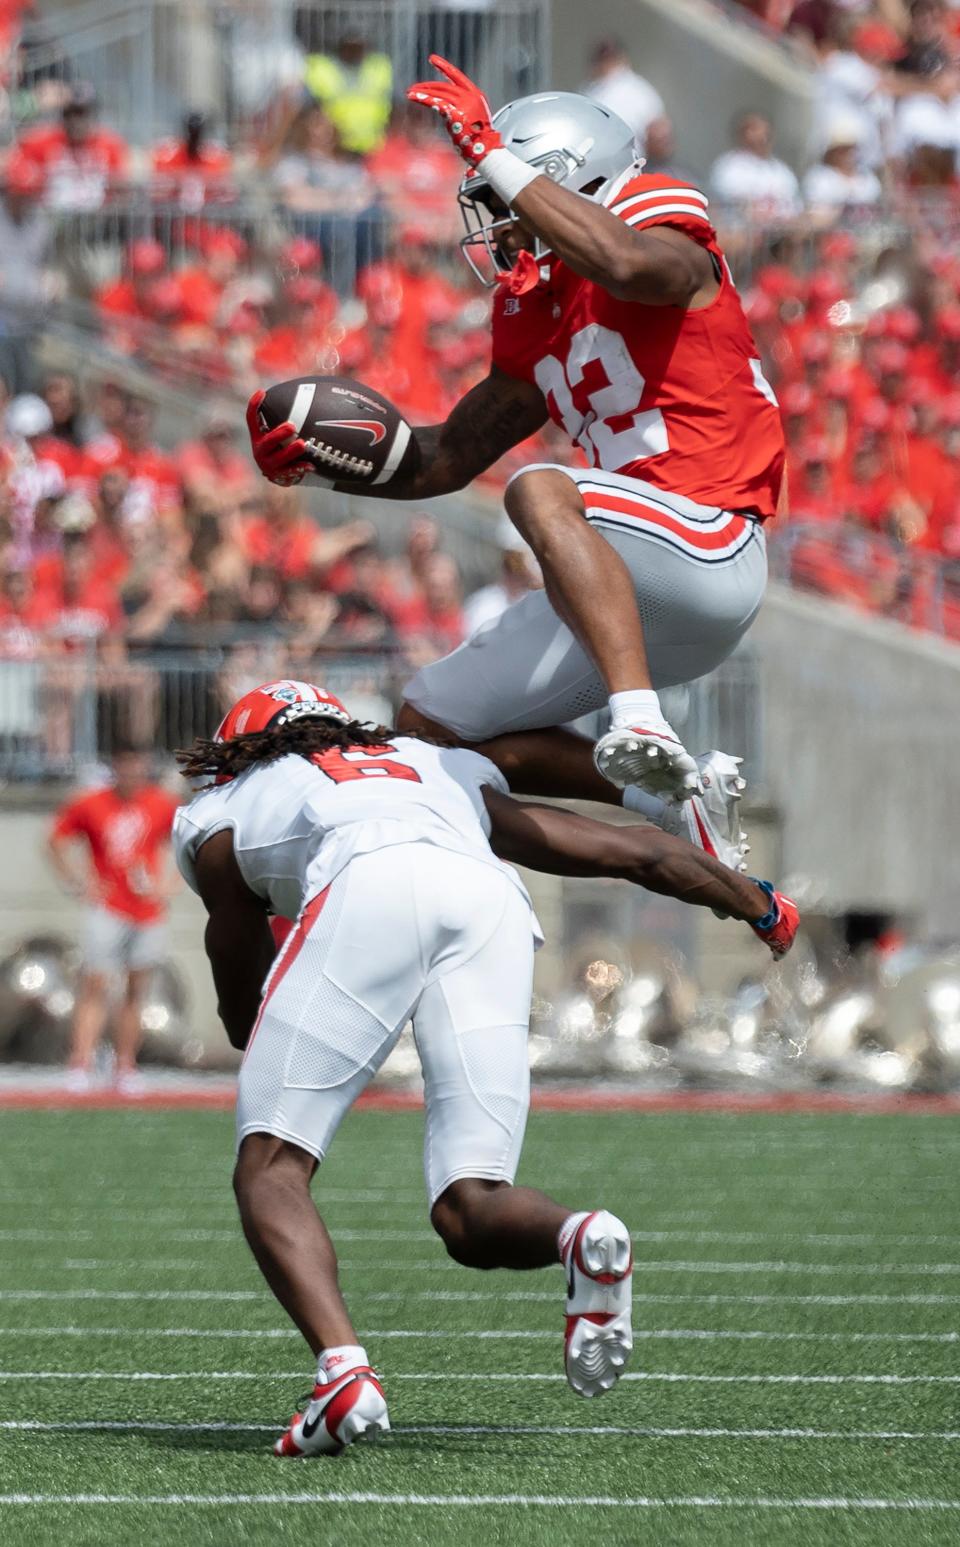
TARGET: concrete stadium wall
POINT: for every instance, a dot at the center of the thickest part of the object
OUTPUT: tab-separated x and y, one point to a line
36	905
706	69
620	922
862	735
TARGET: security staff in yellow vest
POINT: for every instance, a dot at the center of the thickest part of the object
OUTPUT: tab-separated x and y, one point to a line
354	88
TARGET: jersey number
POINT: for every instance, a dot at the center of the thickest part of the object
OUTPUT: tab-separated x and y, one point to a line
341	764
597	396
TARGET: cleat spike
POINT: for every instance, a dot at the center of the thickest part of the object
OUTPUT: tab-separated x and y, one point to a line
599	1263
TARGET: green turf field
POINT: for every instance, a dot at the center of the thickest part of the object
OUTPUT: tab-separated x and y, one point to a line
798	1283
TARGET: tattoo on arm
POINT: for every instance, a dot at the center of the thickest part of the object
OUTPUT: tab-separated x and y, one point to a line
497	413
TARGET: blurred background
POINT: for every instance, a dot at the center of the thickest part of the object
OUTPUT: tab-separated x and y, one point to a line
197	198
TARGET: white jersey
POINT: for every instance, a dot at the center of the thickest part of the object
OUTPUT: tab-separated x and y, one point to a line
297	822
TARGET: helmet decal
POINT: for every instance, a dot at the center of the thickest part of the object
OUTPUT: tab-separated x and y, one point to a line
280	703
570	139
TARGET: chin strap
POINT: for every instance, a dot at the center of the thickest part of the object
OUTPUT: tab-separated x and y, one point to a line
524	276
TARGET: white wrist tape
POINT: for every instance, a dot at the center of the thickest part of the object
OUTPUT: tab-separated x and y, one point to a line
506	174
641	707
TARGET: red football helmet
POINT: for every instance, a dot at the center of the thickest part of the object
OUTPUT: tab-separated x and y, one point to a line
280	703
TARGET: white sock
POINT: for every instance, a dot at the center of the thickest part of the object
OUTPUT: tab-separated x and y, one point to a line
639	708
649	806
567	1232
334	1362
664	814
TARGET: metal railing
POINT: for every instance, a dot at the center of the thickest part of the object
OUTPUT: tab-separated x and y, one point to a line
90	244
152	60
61	714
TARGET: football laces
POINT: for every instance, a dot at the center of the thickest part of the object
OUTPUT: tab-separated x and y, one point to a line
340	461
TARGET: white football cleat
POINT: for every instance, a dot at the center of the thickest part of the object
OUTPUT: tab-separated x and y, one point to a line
352	1407
711	821
653	758
599	1337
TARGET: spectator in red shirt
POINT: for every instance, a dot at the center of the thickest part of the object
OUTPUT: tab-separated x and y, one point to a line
285	539
415	169
23	616
61	393
153	475
130	299
204	285
866	493
80	605
107	537
81	162
215	473
811	490
192	170
126	888
29	417
282	537
304	311
433	620
103	447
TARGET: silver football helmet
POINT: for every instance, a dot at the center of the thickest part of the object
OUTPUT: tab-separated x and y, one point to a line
569	138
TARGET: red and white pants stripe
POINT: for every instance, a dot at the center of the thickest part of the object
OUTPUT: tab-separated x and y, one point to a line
699	575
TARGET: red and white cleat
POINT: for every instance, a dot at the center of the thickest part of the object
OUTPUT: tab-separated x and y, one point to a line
599	1267
778	929
352	1407
711	820
650	756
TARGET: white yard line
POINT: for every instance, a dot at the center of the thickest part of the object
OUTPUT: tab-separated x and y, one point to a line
149	1223
667	1334
667	1377
493	1295
577	1431
484	1501
644	1267
151	1218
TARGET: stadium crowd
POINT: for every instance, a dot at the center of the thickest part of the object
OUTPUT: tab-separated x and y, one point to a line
104	535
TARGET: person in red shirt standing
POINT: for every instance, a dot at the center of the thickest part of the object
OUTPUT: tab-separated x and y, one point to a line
416	170
192	170
126	829
154	478
127	299
81	162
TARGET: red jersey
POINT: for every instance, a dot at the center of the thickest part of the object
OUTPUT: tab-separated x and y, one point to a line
81	613
126	839
76	177
191	179
675	397
288	549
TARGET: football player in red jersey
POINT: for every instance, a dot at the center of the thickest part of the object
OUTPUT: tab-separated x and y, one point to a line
616	316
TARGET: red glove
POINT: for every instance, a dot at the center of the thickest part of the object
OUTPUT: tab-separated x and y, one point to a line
280	455
464	109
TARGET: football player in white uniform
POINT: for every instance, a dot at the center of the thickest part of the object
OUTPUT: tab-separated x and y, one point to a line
389	852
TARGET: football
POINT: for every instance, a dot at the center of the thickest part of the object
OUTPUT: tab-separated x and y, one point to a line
353	435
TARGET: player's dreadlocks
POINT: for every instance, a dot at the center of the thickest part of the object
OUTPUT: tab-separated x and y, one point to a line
227	759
